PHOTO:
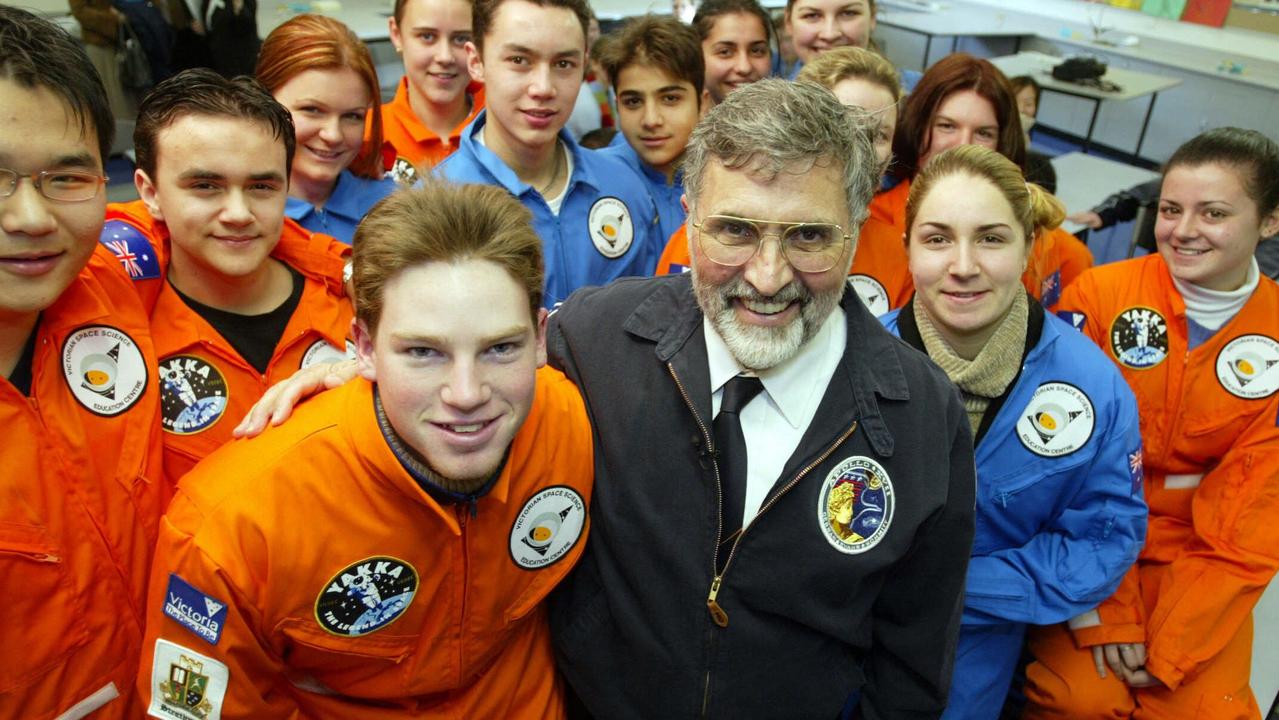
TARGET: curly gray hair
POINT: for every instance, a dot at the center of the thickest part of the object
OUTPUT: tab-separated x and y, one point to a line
773	126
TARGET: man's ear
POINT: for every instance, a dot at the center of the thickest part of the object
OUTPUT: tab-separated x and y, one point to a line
542	315
474	63
364	349
146	191
393	29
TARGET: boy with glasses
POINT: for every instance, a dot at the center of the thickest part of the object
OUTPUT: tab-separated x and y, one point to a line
79	406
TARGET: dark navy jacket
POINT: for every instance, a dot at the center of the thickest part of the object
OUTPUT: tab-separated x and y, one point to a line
812	612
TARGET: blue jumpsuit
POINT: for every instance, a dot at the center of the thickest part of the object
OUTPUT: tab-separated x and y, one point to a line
607	225
352	198
1060	512
670	212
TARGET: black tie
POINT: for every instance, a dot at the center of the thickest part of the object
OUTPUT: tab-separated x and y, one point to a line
731	447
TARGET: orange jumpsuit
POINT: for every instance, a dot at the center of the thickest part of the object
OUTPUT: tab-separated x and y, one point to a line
82	496
879	273
306	574
205	386
409	148
1210	428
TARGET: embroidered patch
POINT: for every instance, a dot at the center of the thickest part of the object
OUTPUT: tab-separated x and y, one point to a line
855	505
186	685
1075	319
104	369
192	609
1050	289
1136	470
1058	420
403	172
547	527
322	352
1248	367
193	394
676	269
1139	338
366	596
610	227
872	292
132	248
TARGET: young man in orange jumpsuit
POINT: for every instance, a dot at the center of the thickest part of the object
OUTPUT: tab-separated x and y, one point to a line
1194	331
83	485
385	554
250	296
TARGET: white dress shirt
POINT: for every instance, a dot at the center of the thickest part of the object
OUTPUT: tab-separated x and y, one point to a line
774	421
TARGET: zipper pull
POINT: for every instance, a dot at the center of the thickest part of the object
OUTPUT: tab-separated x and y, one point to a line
717	613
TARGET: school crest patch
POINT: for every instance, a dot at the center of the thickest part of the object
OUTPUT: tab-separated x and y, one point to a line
855	505
185	684
1248	367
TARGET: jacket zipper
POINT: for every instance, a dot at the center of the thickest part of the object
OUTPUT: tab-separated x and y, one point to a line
717	613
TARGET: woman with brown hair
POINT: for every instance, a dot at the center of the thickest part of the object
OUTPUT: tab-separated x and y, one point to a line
964	100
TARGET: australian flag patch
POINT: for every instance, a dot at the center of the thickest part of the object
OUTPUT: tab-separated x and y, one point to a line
132	248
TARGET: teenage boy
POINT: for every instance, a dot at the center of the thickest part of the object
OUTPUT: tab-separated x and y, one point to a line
385	554
596	219
656	66
83	486
240	296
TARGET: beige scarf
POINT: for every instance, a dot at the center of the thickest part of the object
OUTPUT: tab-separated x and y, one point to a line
988	375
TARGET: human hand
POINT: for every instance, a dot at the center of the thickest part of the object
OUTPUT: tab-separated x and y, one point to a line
1086	218
1122	658
278	401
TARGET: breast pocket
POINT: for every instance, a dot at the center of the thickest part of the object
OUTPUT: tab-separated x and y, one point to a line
368	666
45	614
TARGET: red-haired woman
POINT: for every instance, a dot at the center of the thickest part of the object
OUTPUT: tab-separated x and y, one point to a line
963	100
318	69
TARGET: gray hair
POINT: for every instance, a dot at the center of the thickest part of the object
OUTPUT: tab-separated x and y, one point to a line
772	126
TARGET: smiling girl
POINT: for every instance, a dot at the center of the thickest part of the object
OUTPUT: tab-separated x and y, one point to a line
1194	328
318	69
1059	520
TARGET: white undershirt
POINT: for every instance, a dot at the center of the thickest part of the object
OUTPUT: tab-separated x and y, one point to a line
1213	308
556	202
774	421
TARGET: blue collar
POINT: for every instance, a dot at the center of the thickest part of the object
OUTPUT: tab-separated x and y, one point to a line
505	176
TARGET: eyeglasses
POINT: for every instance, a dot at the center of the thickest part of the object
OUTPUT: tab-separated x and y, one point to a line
60	185
808	247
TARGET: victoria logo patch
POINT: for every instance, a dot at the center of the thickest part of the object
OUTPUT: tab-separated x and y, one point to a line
193	394
872	293
322	352
610	227
104	368
1058	420
192	609
185	684
1139	338
547	527
1075	319
366	596
855	506
1248	367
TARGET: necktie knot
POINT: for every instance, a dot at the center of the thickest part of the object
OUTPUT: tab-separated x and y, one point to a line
738	392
